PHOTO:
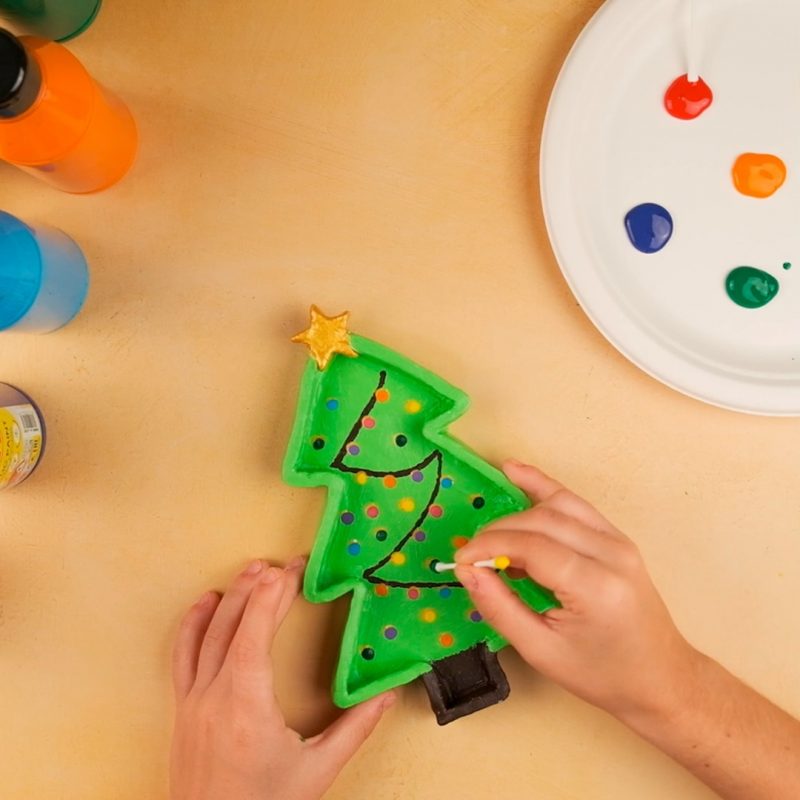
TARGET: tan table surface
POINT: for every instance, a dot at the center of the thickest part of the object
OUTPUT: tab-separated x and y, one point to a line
381	156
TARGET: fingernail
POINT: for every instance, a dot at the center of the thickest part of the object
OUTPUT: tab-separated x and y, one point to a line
253	569
271	575
468	578
296	563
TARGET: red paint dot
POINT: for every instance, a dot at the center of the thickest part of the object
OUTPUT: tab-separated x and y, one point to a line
446	639
382	395
413	594
436	511
368	422
382	590
687	100
372	511
390	481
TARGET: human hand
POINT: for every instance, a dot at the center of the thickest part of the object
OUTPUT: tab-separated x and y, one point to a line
231	741
612	642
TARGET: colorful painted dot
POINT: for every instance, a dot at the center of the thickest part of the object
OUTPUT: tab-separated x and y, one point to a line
417	476
475	615
354	548
406	504
332	404
401	440
389	481
445	592
427	615
398	559
372	511
446	639
447	483
458	542
478	502
687	99
758	174
381	534
367	653
390	632
419	535
347	518
413	593
413	406
318	442
368	422
361	478
787	264
382	395
353	449
382	590
436	511
750	287
649	227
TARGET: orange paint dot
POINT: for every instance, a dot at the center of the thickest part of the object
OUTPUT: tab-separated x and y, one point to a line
413	406
361	478
758	174
446	639
390	481
398	559
427	615
459	541
382	395
406	504
382	590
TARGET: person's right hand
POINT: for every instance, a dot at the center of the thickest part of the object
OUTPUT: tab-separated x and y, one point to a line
612	642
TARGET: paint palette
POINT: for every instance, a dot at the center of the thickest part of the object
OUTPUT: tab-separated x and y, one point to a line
673	203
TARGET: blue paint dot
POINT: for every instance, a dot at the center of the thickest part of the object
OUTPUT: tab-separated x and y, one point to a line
447	483
354	548
649	227
332	404
445	592
348	518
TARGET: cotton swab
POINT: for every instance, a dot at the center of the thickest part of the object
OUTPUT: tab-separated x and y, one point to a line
692	73
500	562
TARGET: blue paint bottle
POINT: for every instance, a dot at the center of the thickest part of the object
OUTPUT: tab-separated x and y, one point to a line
43	277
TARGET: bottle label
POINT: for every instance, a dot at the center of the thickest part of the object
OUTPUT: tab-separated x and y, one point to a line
21	437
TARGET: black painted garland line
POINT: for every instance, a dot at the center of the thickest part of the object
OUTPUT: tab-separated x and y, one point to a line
337	462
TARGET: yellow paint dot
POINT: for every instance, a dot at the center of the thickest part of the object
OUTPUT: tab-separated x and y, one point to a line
427	615
406	504
502	562
413	406
361	478
398	559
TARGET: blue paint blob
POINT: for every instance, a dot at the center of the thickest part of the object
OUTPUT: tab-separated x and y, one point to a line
354	548
649	227
447	483
445	592
332	404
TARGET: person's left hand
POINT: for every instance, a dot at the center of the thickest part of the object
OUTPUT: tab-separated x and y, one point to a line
231	741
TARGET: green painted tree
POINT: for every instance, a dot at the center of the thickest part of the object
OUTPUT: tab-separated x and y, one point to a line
402	495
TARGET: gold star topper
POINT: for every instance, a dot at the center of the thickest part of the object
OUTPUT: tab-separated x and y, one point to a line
326	336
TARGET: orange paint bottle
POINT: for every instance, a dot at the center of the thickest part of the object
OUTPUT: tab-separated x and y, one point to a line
57	122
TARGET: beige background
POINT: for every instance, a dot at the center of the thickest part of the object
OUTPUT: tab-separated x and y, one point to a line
376	155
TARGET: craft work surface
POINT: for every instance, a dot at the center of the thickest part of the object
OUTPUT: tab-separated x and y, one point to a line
378	157
727	171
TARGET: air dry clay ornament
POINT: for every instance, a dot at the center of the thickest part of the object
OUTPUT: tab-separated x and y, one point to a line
403	496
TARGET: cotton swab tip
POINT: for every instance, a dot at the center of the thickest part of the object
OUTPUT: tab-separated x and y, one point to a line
500	562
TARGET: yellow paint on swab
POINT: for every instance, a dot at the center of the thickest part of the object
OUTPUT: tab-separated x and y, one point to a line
500	562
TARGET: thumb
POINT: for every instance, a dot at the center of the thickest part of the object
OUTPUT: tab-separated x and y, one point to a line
340	742
502	609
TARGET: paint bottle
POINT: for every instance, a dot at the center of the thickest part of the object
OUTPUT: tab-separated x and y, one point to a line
43	275
56	121
51	19
22	436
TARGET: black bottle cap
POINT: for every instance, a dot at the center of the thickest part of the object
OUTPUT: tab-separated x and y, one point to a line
20	79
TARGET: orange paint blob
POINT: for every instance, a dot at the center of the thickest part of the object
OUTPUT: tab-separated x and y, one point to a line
382	590
382	395
459	541
446	639
390	481
758	174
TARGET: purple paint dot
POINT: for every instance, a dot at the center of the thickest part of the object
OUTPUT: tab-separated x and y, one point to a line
390	632
419	535
475	616
417	476
348	518
353	449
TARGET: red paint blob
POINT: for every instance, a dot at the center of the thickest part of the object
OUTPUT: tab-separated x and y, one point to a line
687	100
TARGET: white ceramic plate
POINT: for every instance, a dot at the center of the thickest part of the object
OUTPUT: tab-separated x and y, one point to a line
610	145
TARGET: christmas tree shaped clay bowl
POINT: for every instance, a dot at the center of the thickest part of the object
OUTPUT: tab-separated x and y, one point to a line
403	494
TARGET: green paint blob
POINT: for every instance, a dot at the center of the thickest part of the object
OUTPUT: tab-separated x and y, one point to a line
750	287
787	265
